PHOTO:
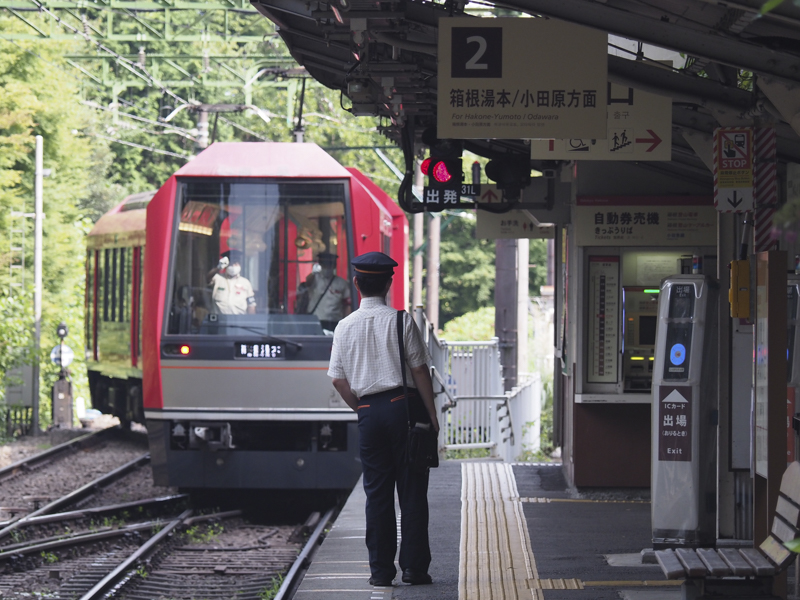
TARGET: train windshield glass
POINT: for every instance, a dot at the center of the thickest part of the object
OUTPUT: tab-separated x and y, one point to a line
259	258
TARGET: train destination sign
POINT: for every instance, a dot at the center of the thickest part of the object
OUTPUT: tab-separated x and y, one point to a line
260	351
639	127
513	78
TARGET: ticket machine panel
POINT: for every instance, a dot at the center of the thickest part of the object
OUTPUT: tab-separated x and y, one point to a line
640	318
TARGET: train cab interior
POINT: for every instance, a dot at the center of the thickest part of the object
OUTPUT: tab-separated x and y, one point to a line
277	233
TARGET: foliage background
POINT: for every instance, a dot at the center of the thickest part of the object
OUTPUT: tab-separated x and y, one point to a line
101	148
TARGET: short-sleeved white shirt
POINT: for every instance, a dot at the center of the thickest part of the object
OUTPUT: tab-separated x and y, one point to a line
231	295
329	302
365	349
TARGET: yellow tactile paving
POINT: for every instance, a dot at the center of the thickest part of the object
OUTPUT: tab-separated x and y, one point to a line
496	559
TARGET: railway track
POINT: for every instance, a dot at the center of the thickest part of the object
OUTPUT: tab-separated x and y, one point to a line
142	549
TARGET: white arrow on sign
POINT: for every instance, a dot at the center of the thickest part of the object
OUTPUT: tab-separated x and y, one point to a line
675	397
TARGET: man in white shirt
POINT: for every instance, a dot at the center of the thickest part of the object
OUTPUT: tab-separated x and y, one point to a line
366	371
231	293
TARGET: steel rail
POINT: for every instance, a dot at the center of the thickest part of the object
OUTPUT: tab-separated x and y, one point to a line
56	542
97	511
83	492
113	578
303	559
116	576
43	458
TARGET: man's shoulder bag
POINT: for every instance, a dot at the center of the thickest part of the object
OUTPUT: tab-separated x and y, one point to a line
423	446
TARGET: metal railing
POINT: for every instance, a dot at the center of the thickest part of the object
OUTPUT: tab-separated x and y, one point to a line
476	412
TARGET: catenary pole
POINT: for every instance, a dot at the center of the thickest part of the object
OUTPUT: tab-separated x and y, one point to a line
37	279
419	238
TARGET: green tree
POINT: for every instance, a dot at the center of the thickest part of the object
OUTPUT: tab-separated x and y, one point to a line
39	97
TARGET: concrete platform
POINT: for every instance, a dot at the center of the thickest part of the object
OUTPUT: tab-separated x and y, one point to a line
503	532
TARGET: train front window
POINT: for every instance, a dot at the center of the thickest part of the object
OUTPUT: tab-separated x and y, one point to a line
263	258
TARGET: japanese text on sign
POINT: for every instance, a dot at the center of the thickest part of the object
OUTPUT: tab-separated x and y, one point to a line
631	225
489	87
675	424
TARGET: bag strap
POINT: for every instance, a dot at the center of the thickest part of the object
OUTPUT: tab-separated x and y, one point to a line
325	291
401	344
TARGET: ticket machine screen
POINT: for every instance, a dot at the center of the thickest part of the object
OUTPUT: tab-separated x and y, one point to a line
640	306
679	333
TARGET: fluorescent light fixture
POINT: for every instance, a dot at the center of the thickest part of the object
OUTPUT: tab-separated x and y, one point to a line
192	228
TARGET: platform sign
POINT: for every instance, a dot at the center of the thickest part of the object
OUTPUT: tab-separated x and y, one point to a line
512	78
639	127
511	225
675	423
733	169
645	221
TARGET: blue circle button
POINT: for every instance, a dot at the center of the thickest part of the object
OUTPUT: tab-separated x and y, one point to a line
677	354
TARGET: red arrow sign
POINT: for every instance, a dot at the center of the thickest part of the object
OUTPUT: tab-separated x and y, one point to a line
654	140
488	196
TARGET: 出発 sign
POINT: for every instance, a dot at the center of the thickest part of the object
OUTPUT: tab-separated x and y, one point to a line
521	78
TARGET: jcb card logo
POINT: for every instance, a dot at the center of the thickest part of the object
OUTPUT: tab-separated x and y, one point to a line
477	52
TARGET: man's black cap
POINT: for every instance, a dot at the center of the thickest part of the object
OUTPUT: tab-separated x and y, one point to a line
373	264
327	257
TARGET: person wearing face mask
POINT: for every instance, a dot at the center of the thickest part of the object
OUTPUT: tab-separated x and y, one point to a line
232	293
328	294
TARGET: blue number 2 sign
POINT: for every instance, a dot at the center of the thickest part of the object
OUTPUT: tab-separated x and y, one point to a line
477	52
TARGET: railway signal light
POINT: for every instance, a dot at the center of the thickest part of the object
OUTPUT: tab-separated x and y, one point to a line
511	173
62	330
445	176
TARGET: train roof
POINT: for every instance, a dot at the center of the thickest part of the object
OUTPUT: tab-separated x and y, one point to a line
263	159
123	225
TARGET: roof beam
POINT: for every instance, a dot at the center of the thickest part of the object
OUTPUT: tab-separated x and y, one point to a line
718	48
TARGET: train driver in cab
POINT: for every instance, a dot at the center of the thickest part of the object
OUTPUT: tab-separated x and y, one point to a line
324	294
232	294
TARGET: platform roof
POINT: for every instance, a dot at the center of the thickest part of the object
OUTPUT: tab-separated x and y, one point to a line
739	67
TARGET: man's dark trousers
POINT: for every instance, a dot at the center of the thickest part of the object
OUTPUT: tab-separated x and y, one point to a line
383	435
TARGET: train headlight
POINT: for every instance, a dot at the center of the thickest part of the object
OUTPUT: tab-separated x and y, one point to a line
185	350
300	463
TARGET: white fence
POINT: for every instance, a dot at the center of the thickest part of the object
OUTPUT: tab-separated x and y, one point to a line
476	412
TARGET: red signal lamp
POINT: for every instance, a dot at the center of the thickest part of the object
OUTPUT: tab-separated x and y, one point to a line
185	349
438	168
425	166
441	173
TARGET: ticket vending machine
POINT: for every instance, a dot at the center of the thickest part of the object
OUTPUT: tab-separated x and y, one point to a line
639	319
684	413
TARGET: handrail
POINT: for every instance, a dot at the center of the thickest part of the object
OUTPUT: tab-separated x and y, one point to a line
451	400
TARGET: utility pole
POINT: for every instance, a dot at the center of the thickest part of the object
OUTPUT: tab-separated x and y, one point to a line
37	279
202	130
434	235
419	233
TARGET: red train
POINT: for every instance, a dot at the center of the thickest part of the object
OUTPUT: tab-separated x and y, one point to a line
210	314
